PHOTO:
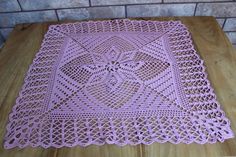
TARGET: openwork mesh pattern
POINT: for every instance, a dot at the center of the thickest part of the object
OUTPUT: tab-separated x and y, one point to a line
117	82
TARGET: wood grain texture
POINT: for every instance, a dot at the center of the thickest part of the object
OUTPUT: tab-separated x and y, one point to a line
210	42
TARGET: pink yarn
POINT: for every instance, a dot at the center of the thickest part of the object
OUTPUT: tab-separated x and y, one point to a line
117	82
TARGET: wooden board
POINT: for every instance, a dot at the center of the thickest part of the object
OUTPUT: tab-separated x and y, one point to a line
210	42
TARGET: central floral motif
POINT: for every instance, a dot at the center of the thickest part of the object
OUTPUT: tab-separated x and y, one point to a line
113	67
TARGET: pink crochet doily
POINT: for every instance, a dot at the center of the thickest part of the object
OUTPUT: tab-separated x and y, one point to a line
117	82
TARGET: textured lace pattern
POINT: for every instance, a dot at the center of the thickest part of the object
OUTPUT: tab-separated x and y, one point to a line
117	82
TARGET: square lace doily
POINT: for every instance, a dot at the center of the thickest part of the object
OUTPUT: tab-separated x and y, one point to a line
117	82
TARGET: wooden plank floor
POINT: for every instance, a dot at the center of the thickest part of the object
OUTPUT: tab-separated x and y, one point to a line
210	42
